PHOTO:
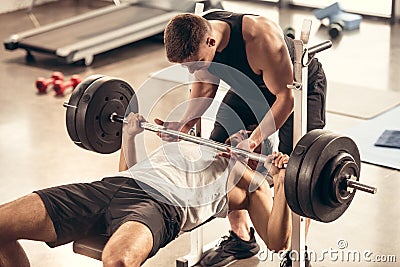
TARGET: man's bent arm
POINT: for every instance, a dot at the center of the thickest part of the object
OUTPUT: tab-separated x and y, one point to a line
128	157
273	223
130	129
202	93
122	166
271	58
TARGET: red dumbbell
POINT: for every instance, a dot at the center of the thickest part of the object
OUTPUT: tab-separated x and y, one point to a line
60	86
42	83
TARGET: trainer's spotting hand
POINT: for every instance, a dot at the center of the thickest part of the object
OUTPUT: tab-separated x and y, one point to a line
170	125
247	144
243	143
132	126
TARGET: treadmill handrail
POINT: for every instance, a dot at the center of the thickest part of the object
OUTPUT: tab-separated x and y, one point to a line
66	50
104	10
89	52
202	14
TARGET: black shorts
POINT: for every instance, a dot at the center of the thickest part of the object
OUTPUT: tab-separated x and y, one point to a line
227	121
85	209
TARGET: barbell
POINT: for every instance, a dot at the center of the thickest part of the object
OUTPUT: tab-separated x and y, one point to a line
322	174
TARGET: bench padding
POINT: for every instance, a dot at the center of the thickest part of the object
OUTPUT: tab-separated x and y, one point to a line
91	247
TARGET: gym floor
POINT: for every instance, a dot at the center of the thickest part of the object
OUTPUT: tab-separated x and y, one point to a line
36	151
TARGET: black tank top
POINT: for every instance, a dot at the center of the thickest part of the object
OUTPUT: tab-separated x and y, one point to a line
234	54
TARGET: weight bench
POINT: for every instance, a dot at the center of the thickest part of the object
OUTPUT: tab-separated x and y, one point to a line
93	246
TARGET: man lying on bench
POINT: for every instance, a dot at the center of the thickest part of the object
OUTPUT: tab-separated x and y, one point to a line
178	187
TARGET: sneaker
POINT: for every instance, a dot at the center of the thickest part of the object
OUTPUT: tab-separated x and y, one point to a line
287	260
229	249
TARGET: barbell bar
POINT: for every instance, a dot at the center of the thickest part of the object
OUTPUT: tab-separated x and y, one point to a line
352	183
322	174
114	117
194	139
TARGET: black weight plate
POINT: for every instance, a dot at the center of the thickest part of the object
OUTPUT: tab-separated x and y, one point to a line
306	171
81	111
293	168
105	96
340	145
331	183
320	154
73	102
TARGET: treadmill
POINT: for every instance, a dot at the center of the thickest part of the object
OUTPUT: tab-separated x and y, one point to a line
84	36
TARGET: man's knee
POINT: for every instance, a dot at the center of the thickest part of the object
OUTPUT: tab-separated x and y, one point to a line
116	259
129	246
115	256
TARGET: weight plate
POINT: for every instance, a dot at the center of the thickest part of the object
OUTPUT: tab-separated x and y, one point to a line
105	96
350	165
332	182
293	168
306	170
72	103
312	201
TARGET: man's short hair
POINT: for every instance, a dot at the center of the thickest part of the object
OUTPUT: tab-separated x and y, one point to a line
183	36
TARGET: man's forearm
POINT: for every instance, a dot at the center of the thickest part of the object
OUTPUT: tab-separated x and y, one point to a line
273	120
122	162
128	153
202	93
264	129
199	101
128	147
280	223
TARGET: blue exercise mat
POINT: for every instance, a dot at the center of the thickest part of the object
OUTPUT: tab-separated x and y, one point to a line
372	134
389	138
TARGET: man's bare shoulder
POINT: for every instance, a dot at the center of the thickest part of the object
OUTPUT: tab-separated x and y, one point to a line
256	28
264	41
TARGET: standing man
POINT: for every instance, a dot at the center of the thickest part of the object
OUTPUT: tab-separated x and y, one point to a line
255	47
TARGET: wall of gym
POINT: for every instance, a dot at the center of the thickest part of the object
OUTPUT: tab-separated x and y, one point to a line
9	6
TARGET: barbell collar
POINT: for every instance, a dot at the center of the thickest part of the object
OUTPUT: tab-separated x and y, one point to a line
67	105
360	186
114	117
